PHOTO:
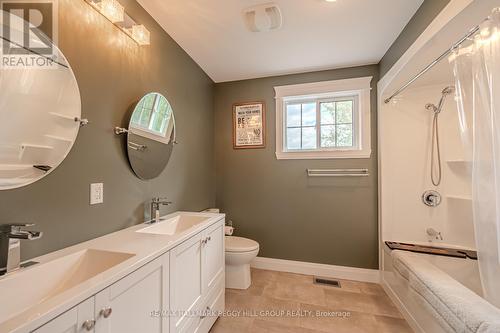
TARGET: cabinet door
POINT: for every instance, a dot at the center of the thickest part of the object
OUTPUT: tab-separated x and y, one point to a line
213	255
73	320
136	303
185	285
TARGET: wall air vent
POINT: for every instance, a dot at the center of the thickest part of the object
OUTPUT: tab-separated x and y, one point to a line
265	17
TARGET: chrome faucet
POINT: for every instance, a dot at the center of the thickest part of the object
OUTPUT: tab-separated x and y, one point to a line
10	245
434	234
155	208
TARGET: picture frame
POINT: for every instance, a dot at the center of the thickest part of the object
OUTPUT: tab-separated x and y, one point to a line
249	125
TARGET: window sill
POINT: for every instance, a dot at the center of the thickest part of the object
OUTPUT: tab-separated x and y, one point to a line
322	155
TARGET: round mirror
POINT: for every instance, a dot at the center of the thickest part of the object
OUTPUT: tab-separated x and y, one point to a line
40	106
151	135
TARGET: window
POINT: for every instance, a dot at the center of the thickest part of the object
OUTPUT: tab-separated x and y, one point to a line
323	120
320	124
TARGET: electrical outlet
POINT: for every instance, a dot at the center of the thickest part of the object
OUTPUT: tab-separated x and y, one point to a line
96	193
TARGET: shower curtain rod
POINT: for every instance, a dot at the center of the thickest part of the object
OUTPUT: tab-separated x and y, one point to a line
435	62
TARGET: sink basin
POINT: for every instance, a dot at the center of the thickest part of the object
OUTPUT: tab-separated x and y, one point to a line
22	290
174	225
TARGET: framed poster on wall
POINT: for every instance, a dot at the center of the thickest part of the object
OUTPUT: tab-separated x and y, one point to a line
249	125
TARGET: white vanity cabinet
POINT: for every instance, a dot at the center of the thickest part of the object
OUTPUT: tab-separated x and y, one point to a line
186	294
133	304
73	320
197	281
136	302
213	256
171	293
213	269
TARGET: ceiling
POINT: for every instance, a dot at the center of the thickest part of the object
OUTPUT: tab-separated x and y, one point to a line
315	35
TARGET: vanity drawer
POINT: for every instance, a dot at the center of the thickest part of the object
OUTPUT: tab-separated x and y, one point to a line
214	305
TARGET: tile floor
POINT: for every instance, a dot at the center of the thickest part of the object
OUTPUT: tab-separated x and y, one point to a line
284	302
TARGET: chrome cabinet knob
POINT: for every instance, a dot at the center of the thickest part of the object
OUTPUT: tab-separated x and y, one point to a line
106	312
89	324
205	314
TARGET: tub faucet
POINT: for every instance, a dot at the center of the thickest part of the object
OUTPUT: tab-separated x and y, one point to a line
434	233
155	208
10	245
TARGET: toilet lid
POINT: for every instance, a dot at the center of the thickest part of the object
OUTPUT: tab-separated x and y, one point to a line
240	244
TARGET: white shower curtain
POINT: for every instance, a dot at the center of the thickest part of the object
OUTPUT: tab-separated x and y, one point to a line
477	75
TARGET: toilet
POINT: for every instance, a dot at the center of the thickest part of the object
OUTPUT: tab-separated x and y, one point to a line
239	253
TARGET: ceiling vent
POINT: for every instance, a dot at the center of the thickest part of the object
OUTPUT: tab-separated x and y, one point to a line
260	18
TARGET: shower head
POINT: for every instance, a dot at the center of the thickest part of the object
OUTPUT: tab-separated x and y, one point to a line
445	92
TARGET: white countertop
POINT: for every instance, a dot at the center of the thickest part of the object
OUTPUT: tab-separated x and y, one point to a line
145	247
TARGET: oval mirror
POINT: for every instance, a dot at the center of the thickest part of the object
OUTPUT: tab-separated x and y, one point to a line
40	107
151	135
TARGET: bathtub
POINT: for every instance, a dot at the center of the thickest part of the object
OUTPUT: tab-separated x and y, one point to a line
420	314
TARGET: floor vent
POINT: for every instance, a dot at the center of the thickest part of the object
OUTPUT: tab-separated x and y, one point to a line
327	282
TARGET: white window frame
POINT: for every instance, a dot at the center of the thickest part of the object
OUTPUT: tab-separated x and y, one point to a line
357	88
150	134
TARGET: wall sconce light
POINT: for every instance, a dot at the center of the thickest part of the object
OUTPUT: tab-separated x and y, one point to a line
140	34
113	10
115	13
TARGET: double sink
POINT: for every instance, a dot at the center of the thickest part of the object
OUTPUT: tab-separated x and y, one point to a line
40	283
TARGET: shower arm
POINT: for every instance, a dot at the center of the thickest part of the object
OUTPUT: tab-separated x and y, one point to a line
434	63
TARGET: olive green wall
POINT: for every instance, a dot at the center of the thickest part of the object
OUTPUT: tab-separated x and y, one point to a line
418	23
322	220
113	72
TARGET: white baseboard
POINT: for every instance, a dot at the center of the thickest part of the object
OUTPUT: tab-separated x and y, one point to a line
308	268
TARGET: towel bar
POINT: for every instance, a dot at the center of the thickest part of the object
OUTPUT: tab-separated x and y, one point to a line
337	172
136	146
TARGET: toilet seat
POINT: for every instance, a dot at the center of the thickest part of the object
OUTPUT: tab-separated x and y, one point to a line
240	244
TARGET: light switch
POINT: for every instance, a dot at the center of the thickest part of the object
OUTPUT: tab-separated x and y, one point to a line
96	193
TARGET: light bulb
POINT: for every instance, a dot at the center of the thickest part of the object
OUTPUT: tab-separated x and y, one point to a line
140	34
113	10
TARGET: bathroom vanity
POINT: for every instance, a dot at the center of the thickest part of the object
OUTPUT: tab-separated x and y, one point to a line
163	277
